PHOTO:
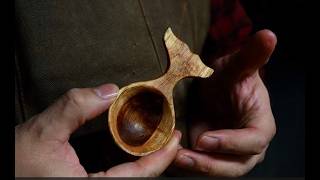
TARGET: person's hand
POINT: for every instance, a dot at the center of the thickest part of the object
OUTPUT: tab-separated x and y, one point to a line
42	147
234	124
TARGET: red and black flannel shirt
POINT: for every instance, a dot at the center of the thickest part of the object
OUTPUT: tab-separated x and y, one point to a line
230	26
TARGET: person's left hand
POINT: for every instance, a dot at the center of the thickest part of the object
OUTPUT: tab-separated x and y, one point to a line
233	122
42	147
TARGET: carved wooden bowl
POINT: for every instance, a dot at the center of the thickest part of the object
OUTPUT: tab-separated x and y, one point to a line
142	117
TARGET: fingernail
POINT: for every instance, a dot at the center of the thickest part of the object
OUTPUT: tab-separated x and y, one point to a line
179	147
107	91
186	161
207	143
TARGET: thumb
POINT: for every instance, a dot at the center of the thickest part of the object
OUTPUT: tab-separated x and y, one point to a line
148	166
253	55
73	109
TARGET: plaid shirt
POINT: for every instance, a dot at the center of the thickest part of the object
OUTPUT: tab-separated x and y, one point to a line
230	26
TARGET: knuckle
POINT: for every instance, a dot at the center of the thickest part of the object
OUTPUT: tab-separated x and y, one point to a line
207	168
261	145
74	100
154	174
73	96
237	173
228	145
243	169
261	159
143	169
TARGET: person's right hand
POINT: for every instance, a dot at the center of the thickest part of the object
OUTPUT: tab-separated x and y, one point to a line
42	147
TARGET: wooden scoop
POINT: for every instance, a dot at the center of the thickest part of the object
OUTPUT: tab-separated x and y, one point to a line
142	117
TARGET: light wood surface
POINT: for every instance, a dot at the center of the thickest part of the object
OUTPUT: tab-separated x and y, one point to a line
142	118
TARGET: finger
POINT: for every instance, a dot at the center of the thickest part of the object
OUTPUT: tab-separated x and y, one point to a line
253	55
219	165
247	141
198	127
148	166
73	109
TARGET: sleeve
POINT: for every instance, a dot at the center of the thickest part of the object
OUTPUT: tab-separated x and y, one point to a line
229	27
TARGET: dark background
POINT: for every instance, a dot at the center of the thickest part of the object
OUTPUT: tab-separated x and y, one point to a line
285	80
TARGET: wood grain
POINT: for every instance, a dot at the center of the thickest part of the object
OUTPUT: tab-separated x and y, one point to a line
142	118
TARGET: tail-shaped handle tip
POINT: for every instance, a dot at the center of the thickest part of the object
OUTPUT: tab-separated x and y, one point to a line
182	61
